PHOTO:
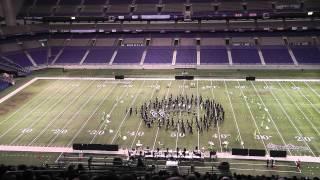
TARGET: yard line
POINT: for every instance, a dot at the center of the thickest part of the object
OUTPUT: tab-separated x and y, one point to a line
142	119
140	89
290	120
27	104
234	115
155	139
253	118
54	119
198	111
42	115
110	112
315	108
271	118
305	116
179	117
217	121
312	89
75	114
30	112
94	111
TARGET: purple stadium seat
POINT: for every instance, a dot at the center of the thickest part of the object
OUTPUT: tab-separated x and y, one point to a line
46	2
129	55
147	1
71	55
213	55
94	2
186	55
245	55
173	1
70	2
99	55
120	1
19	58
3	85
159	55
39	55
306	54
276	55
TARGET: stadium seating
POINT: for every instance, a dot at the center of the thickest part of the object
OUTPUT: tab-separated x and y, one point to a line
71	55
19	58
99	55
276	54
159	55
245	55
213	55
186	55
39	55
306	54
128	55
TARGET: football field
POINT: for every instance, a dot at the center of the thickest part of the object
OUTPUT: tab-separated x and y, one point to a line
264	114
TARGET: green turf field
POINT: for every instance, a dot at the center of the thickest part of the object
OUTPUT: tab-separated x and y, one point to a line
260	115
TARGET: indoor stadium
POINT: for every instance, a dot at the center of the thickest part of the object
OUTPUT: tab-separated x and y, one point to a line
159	89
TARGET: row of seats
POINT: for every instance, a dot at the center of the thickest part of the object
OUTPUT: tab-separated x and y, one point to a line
172	7
187	55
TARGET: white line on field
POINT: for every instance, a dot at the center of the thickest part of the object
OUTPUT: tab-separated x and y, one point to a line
56	117
253	118
30	112
28	103
302	94
179	116
110	112
155	139
219	135
290	120
125	117
93	112
267	170
271	118
17	90
234	115
302	112
43	115
315	92
141	120
75	114
172	78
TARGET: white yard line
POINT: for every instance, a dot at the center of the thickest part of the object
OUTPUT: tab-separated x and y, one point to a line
91	115
302	94
110	112
141	120
315	92
289	118
56	117
219	135
155	139
75	114
179	116
42	115
27	104
266	170
30	112
234	115
17	90
198	111
125	117
253	118
172	78
302	112
271	118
